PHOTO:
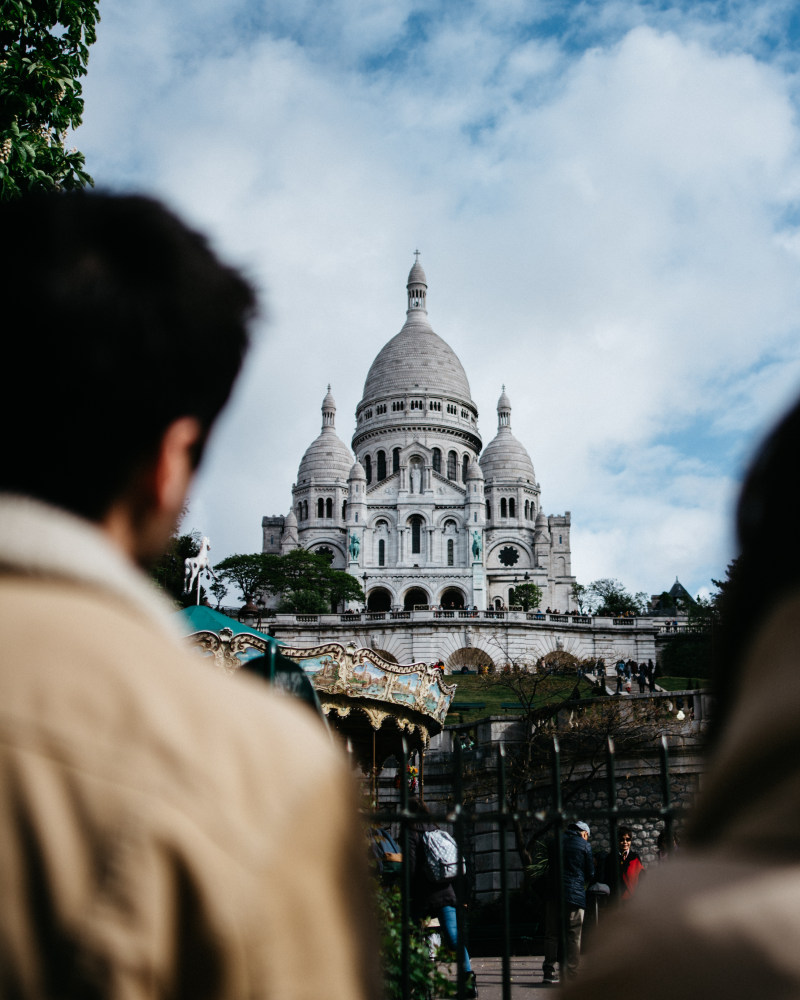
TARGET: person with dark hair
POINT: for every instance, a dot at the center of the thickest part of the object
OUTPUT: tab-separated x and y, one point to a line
157	838
726	910
430	897
629	864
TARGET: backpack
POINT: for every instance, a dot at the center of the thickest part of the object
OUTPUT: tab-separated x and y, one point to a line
441	856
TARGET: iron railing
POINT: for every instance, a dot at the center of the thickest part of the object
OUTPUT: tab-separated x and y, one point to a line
554	820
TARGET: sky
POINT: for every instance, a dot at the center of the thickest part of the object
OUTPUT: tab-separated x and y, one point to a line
606	197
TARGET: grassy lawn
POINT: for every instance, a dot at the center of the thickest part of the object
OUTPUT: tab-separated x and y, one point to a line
683	683
472	688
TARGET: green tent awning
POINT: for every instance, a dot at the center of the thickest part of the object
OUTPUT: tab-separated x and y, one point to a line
199	618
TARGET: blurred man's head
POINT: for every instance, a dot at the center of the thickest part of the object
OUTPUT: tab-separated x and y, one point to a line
128	336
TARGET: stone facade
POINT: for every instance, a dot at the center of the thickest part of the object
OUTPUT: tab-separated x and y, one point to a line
415	507
474	640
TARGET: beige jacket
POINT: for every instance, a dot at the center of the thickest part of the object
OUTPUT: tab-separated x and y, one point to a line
165	830
722	919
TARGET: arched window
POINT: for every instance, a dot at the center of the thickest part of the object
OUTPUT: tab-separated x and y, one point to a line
450	552
452	461
512	507
368	468
437	460
502	507
396	460
488	511
381	456
416	534
344	510
320	507
329	507
381	553
464	467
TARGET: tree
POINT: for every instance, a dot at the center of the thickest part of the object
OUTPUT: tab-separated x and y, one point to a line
609	598
44	51
553	701
580	597
168	572
305	581
529	595
220	590
247	572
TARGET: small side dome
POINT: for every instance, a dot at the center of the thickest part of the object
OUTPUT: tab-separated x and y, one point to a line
474	471
291	520
357	472
327	458
504	459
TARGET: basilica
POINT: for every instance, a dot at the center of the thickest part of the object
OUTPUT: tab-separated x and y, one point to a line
419	511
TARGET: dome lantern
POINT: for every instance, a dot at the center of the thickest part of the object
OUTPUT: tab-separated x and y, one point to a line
417	286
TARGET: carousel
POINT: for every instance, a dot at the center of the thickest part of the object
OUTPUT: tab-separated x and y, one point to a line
372	703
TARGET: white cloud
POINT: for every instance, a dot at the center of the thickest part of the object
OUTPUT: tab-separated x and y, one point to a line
601	228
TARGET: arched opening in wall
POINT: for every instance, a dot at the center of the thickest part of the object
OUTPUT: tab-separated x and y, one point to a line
464	467
381	457
452	599
498	603
503	508
396	460
488	511
416	534
368	468
413	597
381	553
512	507
320	507
452	463
437	460
305	510
344	510
325	552
385	654
379	599
329	507
474	660
451	557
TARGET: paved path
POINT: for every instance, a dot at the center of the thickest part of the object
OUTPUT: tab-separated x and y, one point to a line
526	978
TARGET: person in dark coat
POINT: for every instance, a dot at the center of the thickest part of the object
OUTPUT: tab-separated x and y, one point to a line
433	899
578	872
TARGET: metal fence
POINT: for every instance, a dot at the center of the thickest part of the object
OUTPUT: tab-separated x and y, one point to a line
554	819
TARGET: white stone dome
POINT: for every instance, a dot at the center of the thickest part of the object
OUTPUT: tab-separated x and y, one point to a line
357	471
417	359
504	459
327	458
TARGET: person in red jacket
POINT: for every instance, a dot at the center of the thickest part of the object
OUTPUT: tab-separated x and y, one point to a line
630	865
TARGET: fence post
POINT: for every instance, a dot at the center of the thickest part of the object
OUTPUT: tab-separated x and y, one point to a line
561	909
458	829
503	825
405	893
613	814
666	795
